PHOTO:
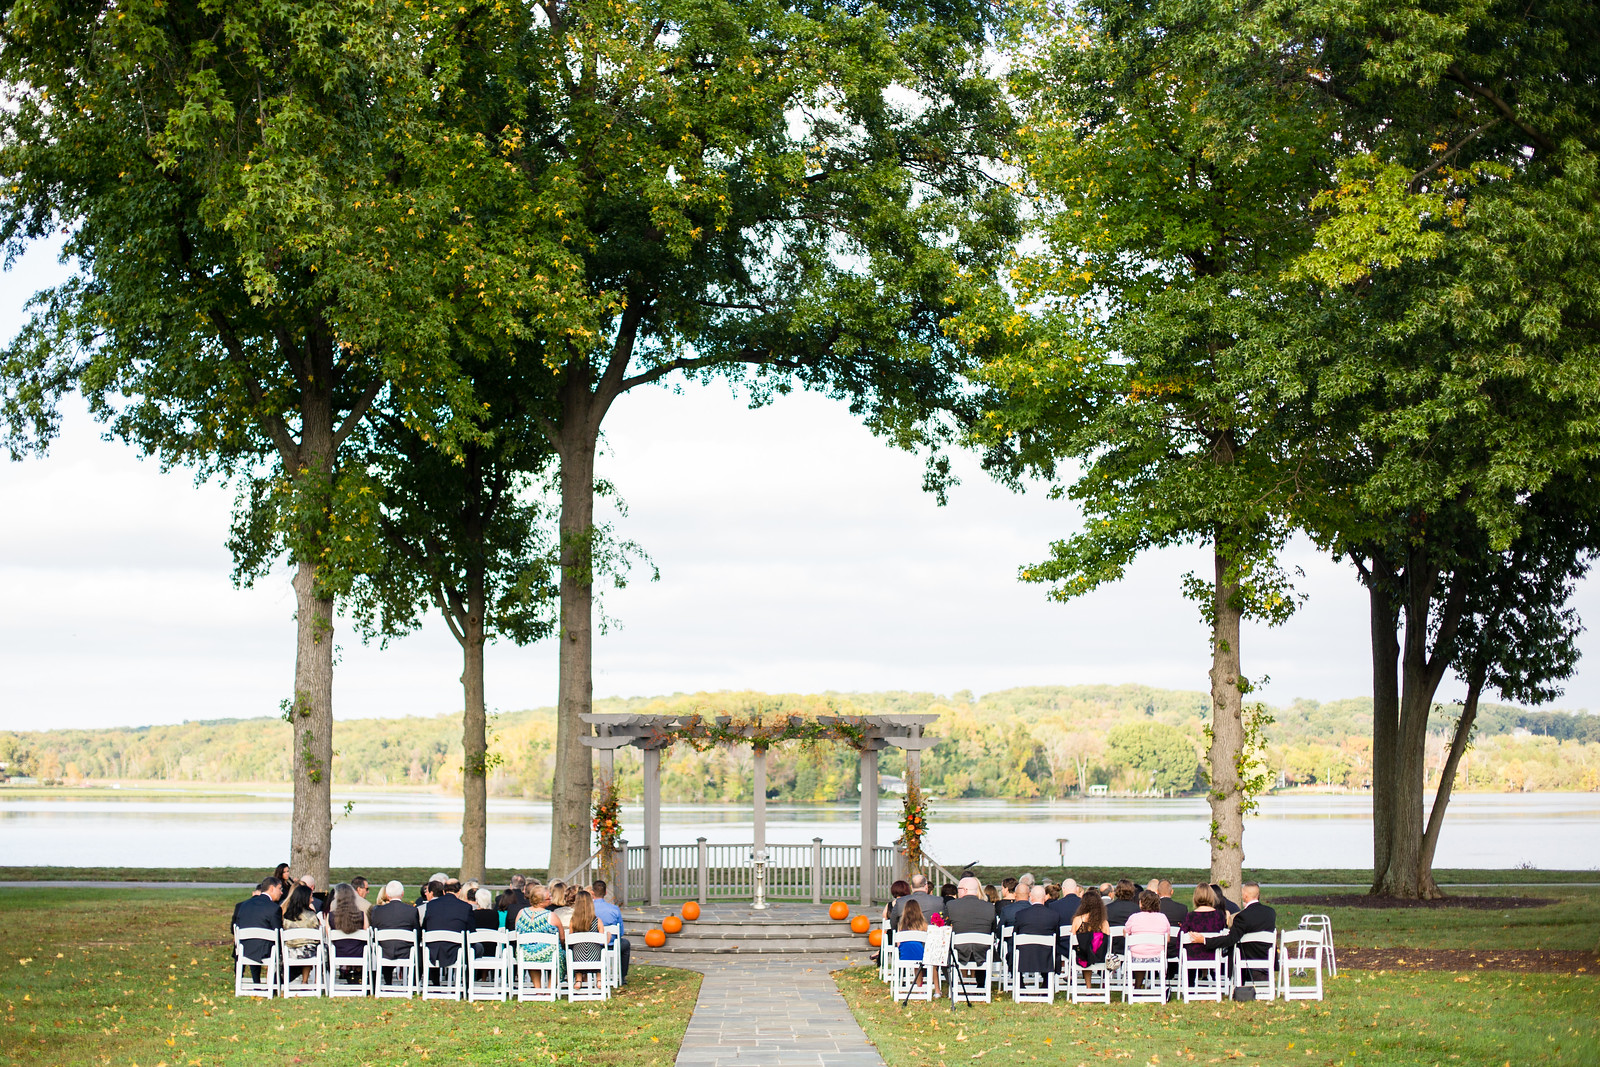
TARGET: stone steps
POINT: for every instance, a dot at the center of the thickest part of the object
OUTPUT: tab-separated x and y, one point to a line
787	929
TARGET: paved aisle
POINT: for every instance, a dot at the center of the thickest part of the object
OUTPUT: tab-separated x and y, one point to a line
773	1010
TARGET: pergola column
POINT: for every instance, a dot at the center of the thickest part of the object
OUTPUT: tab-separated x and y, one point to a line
761	800
652	824
869	824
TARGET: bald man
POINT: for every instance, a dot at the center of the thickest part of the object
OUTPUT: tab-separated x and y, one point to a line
970	913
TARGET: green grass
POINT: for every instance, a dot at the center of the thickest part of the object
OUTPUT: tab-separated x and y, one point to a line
144	977
1387	1018
411	876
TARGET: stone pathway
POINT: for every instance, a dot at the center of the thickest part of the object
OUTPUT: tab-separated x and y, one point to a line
782	1011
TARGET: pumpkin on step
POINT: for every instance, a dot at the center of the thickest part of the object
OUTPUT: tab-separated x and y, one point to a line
672	924
655	938
875	938
838	910
691	911
860	924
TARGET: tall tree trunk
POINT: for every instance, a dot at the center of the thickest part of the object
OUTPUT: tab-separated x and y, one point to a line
1447	780
573	787
1227	730
311	833
1385	713
474	737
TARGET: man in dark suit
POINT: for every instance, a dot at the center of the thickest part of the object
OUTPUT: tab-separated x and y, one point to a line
1019	899
449	913
1254	918
1037	917
1175	911
1066	906
970	913
259	911
394	914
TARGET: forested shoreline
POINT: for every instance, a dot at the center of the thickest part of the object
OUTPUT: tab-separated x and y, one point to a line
1025	743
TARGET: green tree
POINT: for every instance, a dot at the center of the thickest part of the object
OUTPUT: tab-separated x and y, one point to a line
235	309
780	193
1145	353
1165	753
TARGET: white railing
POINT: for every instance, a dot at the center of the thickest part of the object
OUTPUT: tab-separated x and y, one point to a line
707	872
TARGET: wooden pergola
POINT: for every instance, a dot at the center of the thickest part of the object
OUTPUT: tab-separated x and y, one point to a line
869	734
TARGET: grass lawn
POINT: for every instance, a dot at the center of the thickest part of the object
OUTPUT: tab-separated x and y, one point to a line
1397	1018
145	977
1389	1018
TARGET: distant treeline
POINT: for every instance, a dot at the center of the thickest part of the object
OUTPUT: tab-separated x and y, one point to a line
1046	741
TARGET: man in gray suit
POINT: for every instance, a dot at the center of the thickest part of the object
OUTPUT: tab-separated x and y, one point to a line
970	913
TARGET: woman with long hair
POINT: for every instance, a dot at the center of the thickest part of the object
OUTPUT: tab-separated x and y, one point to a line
298	914
1091	933
582	920
911	919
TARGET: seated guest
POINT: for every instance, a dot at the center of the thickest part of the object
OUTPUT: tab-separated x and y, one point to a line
947	892
485	916
1147	920
509	905
259	911
346	917
991	894
1254	918
583	920
1037	917
1066	905
319	901
1223	902
1091	933
1172	909
1204	917
1016	902
897	895
1124	905
611	915
298	914
446	913
930	904
281	873
911	919
970	913
358	884
391	912
562	901
537	918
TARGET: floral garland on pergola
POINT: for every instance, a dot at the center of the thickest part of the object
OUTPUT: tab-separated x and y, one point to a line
701	733
913	822
607	820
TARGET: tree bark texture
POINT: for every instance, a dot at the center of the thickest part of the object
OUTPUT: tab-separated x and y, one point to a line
1447	781
1227	731
474	738
573	786
311	834
1385	714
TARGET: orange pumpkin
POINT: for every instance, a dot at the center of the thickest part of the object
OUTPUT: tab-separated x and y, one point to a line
838	910
655	938
672	924
860	924
691	911
875	938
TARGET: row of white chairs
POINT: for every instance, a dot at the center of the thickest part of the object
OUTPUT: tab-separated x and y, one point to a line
1291	969
400	963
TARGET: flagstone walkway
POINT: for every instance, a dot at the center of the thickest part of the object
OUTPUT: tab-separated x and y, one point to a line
773	1010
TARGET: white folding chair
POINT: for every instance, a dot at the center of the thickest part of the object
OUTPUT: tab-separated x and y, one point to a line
265	964
885	951
1325	925
972	980
1091	984
586	979
1200	973
613	954
537	979
303	977
395	977
1259	973
488	973
1300	952
913	979
1033	987
1007	934
349	975
1144	980
443	982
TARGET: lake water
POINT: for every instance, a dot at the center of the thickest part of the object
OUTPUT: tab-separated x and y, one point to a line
1547	830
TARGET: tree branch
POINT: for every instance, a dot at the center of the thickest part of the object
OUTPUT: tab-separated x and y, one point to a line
277	429
1442	160
1455	74
358	411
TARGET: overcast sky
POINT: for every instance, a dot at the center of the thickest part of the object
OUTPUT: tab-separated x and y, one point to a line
797	554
